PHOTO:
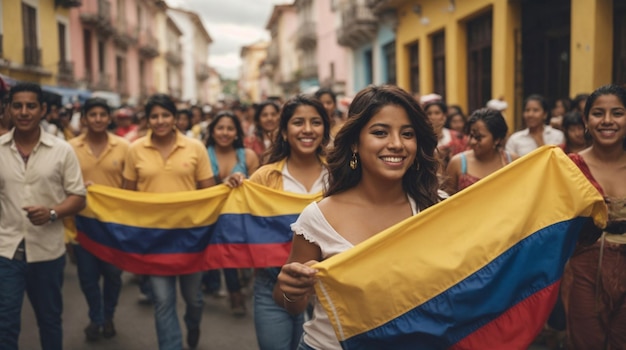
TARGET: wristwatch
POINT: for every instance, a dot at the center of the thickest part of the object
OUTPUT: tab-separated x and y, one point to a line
53	215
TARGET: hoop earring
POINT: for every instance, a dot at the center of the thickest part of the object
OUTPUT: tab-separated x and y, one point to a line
354	162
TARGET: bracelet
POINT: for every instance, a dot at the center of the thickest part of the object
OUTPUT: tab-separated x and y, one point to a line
288	299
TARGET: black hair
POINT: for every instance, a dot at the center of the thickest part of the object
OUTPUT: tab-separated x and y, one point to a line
96	102
26	87
442	105
566	102
494	121
163	101
572	118
258	130
238	142
578	99
536	97
420	180
280	148
610	89
326	91
451	116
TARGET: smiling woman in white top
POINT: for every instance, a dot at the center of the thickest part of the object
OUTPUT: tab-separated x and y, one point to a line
537	133
382	170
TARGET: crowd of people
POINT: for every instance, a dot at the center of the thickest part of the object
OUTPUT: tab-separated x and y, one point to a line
385	158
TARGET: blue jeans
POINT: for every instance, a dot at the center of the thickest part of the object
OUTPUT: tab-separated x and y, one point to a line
303	345
212	281
167	326
42	282
101	302
276	329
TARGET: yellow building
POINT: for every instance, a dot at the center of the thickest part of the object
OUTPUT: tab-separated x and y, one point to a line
471	51
35	40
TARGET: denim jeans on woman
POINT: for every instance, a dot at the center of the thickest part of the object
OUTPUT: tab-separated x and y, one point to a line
164	288
276	329
42	281
101	302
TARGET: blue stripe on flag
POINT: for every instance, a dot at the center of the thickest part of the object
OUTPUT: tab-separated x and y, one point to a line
526	268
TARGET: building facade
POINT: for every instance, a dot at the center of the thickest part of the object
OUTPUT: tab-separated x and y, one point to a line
253	57
195	43
35	41
473	51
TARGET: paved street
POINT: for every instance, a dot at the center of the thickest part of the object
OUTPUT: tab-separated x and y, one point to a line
135	322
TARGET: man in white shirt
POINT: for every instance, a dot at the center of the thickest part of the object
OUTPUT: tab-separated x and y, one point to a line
40	183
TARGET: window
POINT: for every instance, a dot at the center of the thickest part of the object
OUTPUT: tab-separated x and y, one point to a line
389	52
32	55
479	61
439	63
414	67
101	56
62	43
120	73
87	54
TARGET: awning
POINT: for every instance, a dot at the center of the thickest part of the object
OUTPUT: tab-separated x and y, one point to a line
113	99
68	95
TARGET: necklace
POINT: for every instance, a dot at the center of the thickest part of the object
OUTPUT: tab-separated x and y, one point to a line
23	154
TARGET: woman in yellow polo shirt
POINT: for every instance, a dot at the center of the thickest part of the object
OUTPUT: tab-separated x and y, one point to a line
295	165
167	161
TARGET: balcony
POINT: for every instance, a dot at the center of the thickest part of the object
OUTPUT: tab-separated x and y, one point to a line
380	6
174	57
307	37
66	72
148	45
272	53
124	34
68	3
32	56
358	26
309	71
97	15
202	71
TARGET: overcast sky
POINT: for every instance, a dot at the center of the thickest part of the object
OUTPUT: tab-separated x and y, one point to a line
231	24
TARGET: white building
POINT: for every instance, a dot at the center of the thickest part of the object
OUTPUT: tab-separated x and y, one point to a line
195	43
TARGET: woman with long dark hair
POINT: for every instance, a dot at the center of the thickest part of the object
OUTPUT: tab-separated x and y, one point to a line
595	297
231	163
382	170
295	164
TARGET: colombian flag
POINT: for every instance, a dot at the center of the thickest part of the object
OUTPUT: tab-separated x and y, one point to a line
480	270
185	232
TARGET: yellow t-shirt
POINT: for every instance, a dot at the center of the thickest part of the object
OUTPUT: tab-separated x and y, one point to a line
181	171
107	168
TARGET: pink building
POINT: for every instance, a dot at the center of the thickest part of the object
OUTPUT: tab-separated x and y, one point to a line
113	47
323	61
332	58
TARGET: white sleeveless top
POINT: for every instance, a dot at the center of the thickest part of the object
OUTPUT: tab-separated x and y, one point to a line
312	225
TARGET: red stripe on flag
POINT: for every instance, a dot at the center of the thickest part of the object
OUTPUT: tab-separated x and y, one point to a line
514	329
213	257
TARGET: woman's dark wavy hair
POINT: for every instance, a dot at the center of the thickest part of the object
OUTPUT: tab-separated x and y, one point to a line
610	89
258	130
163	101
326	91
420	180
281	149
494	121
238	142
